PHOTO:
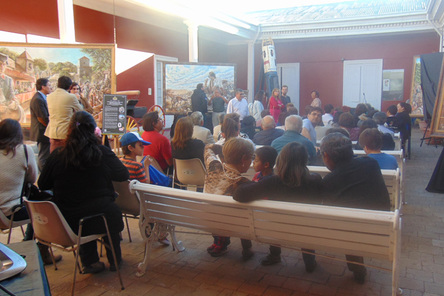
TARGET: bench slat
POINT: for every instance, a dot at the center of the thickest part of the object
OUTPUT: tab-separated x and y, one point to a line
328	245
288	230
227	207
209	226
383	227
199	214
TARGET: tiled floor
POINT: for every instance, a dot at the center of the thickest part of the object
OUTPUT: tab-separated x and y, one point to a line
194	272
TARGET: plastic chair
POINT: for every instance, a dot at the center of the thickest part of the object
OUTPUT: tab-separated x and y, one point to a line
6	225
51	229
128	203
189	173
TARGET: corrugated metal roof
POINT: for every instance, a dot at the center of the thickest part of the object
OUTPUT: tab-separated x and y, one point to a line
338	11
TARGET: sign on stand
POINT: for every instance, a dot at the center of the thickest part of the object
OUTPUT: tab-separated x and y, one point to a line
114	114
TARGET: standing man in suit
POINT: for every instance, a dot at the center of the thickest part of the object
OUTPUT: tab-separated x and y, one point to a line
40	119
61	106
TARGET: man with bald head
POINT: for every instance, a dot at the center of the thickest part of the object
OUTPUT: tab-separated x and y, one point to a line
269	132
293	128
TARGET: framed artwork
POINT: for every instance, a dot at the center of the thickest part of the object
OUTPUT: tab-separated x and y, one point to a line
416	90
181	79
91	66
392	85
437	124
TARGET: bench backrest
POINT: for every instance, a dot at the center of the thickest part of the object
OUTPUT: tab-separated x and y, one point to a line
333	229
391	179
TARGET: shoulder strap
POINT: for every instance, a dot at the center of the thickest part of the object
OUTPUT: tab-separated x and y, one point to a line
26	155
24	187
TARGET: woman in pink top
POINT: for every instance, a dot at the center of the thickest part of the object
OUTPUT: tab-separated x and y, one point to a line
275	105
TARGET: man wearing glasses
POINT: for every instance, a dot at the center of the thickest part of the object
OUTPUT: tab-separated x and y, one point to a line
314	117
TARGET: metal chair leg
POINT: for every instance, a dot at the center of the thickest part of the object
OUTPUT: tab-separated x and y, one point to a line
113	251
127	228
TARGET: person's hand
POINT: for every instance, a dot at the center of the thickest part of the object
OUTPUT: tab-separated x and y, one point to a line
217	149
146	162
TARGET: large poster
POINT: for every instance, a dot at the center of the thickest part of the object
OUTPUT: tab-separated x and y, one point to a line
181	79
393	85
416	90
21	64
437	124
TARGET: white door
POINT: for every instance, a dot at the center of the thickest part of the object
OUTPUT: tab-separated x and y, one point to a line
289	74
362	82
159	61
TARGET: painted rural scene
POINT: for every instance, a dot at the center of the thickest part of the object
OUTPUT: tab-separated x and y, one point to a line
91	67
181	79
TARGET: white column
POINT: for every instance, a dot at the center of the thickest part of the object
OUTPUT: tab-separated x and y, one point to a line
250	79
66	21
193	45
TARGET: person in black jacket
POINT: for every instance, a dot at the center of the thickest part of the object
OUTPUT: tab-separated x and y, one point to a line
80	173
404	122
199	100
353	183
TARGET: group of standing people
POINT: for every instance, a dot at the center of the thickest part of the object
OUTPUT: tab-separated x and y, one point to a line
73	165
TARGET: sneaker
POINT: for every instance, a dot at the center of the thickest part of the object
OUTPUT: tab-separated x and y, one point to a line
310	267
270	260
164	241
210	248
218	251
94	268
247	254
359	276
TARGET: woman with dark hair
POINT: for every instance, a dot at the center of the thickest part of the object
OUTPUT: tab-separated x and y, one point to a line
16	169
292	183
183	146
80	175
77	91
347	122
160	148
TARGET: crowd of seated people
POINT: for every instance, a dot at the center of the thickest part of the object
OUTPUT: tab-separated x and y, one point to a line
353	182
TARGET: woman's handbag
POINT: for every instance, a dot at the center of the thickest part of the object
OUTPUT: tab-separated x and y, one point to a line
29	190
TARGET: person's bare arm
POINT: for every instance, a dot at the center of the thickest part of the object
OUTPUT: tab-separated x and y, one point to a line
305	133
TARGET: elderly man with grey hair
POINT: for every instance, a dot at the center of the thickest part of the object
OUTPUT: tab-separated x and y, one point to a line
354	182
200	132
269	132
388	142
293	128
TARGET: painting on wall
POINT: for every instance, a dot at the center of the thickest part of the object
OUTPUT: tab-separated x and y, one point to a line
181	79
21	64
437	124
393	85
416	91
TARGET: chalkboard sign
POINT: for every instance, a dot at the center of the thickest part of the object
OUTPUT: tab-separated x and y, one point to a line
114	114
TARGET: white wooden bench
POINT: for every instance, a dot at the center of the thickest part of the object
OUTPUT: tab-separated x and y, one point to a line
366	233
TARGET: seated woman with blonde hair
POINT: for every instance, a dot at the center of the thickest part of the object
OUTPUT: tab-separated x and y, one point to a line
224	177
